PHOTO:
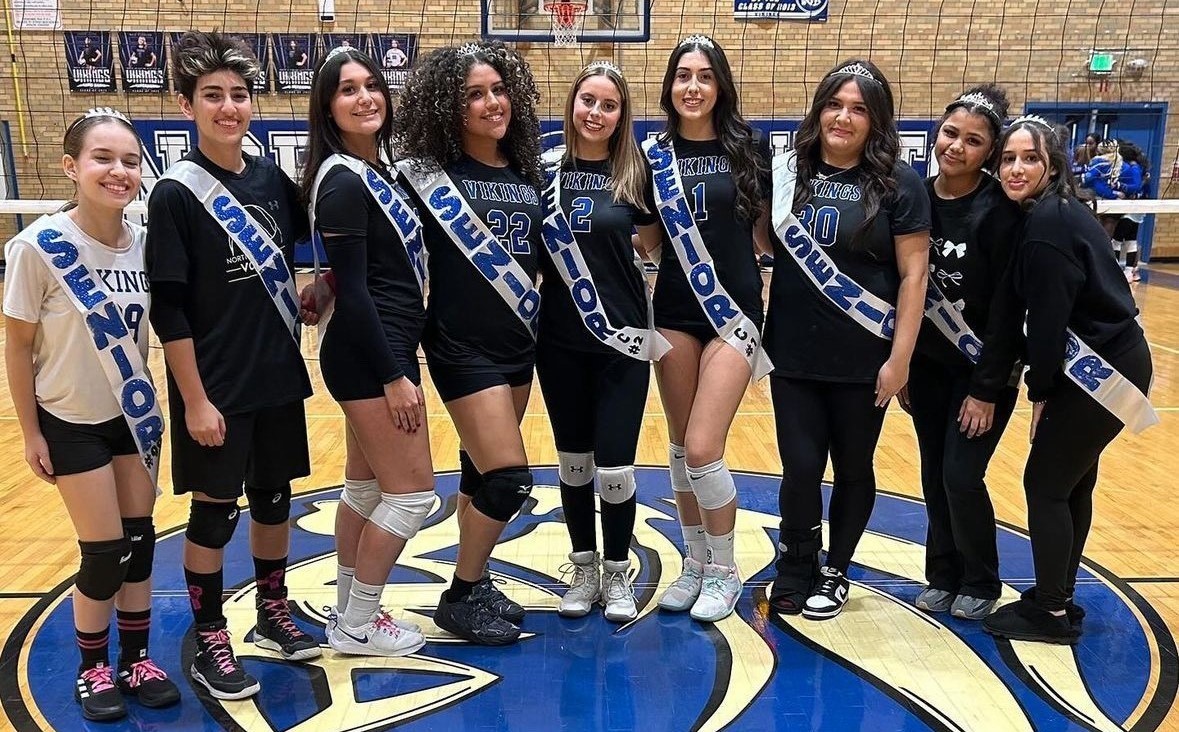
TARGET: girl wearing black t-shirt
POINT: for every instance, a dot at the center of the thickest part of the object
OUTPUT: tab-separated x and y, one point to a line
1077	299
867	212
723	170
595	387
468	113
961	403
369	350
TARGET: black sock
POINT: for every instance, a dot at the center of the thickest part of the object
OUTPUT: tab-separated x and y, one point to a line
133	630
577	502
204	595
93	647
618	526
271	576
459	589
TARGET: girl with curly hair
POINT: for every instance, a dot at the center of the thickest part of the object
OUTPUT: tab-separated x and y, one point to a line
711	188
595	336
467	124
851	225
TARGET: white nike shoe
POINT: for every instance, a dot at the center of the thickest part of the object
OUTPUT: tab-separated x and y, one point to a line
377	638
585	586
719	592
617	594
333	617
828	600
685	589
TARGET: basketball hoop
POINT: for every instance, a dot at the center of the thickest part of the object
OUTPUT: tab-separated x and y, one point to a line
565	14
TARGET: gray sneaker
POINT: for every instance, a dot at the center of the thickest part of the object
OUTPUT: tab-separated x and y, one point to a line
971	608
585	586
934	601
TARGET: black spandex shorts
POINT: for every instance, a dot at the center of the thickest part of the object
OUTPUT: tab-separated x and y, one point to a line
457	377
348	378
78	448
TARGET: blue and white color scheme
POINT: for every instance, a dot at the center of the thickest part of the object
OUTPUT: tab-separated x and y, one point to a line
812	10
1104	383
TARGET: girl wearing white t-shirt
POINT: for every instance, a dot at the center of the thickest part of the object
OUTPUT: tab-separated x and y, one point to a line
77	434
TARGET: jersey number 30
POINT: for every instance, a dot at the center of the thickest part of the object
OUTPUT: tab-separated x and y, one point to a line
823	223
511	229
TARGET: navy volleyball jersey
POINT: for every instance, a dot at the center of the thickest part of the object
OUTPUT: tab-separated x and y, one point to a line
806	334
371	263
602	227
465	314
712	196
246	358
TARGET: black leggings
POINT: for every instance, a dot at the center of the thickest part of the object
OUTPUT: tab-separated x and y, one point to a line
1061	474
595	402
960	553
814	419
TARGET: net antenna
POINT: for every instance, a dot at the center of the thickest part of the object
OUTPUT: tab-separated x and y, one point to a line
565	15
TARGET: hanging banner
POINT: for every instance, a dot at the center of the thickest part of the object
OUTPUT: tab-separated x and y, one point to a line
89	60
396	53
295	56
258	43
142	55
345	41
811	10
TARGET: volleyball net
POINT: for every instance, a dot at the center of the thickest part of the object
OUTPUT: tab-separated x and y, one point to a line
1094	67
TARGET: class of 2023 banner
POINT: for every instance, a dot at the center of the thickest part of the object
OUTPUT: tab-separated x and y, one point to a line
295	56
142	55
812	10
89	60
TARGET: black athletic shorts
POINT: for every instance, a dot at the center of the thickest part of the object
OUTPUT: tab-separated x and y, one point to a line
265	448
462	372
1126	230
348	379
78	448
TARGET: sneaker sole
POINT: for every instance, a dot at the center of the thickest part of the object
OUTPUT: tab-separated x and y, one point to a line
618	618
572	613
370	650
665	605
712	618
103	716
1036	637
151	702
505	641
972	616
302	655
926	607
245	693
821	614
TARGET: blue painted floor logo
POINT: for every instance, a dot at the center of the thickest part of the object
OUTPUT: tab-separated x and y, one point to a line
880	665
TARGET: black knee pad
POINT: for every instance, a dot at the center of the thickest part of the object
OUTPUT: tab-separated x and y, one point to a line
269	506
211	524
470	479
503	493
103	567
141	532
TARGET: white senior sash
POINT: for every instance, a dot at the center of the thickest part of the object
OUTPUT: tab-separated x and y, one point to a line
1100	380
113	341
641	344
949	321
470	234
731	325
250	238
876	315
399	212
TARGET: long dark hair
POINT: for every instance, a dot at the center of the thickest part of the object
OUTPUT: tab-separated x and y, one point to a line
733	132
1051	147
988	101
323	134
429	120
879	157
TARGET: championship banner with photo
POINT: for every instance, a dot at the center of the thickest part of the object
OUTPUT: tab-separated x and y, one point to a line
295	56
396	53
90	61
812	10
142	55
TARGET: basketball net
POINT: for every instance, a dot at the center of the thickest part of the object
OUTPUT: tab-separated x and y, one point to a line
565	14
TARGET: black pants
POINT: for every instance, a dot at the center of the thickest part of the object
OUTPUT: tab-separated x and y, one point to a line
960	553
595	402
814	419
1061	474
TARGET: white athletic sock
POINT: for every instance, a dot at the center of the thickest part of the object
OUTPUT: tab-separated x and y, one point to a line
695	542
344	577
363	604
720	549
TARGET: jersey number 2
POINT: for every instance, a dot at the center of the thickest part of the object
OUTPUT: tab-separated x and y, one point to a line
512	231
583	209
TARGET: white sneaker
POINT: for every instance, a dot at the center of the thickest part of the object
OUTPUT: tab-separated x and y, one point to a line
719	593
333	618
584	589
685	589
617	593
377	638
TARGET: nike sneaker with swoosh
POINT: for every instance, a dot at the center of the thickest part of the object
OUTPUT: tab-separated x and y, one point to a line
829	599
380	637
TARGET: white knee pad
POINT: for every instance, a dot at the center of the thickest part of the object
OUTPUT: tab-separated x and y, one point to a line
1131	246
678	467
402	514
713	485
616	485
1117	246
576	468
362	496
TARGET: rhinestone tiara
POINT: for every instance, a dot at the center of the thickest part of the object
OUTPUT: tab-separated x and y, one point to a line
1034	119
698	40
857	69
603	64
104	112
469	48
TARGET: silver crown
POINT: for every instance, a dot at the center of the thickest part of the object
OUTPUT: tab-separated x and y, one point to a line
104	112
1034	119
338	50
469	48
698	40
978	99
858	69
603	64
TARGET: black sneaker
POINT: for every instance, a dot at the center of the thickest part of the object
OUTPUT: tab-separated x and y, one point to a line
1026	621
147	681
1074	612
276	631
487	593
216	668
474	621
95	691
829	599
